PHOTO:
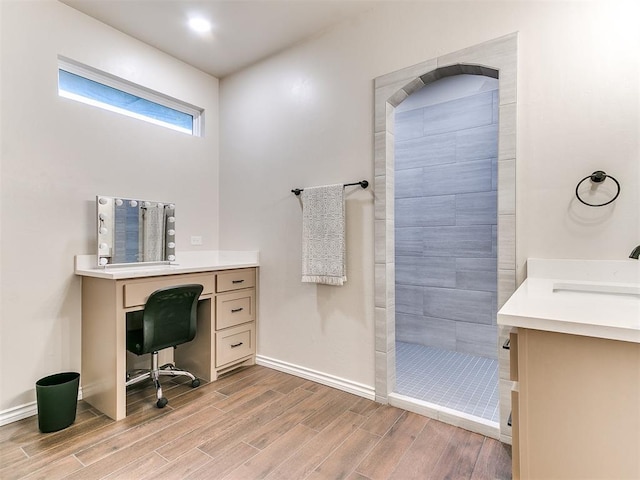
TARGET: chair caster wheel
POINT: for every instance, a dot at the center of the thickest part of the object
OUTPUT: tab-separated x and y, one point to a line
195	383
162	402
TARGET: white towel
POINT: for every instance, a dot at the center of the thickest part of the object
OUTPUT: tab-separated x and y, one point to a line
323	235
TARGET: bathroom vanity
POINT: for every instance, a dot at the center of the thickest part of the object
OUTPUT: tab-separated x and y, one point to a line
226	331
575	364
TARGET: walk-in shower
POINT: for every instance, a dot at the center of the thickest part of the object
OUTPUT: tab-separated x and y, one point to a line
446	149
395	317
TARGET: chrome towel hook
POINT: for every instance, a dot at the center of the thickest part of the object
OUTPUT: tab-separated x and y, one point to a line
598	177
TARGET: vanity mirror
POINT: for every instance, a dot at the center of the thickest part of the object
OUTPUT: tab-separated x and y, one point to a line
134	231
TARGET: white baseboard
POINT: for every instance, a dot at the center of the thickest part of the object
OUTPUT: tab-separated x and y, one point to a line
359	389
18	413
30	409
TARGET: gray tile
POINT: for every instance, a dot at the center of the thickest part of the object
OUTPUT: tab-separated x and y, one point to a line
486	281
506	286
477	339
453	304
455	380
426	150
468	112
409	300
507	187
409	124
500	53
409	241
494	241
477	208
507	132
507	241
477	143
425	211
431	332
406	75
381	192
467	177
494	173
470	241
408	183
476	264
426	271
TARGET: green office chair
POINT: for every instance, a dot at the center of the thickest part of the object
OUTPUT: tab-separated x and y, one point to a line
168	320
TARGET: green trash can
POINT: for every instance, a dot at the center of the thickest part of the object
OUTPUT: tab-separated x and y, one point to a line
57	398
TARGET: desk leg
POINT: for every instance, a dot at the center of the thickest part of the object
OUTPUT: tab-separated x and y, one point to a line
198	356
103	348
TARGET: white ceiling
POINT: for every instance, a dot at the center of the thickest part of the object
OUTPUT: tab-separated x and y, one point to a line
244	31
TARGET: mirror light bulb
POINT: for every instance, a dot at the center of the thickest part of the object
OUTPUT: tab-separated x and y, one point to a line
102	201
103	230
103	246
103	261
171	245
171	232
171	219
171	258
133	203
118	202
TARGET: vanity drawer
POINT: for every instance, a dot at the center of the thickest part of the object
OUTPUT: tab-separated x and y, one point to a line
236	279
235	343
235	308
136	292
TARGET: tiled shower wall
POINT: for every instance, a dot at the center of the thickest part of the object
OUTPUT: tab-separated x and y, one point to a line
446	224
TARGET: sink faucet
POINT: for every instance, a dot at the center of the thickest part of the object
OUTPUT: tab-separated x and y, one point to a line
635	253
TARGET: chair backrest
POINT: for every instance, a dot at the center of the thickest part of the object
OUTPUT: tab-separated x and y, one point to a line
169	317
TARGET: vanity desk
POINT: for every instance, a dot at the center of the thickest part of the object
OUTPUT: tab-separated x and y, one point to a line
226	331
575	368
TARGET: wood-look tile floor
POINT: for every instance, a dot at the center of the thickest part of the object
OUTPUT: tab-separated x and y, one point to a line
256	423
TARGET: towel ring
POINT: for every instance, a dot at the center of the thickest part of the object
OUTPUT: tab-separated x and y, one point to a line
598	177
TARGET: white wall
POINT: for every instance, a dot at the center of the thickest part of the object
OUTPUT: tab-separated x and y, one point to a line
305	117
57	155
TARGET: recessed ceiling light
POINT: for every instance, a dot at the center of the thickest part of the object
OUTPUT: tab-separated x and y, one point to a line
200	24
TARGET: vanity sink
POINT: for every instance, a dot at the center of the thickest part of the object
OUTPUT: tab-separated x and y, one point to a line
594	298
597	288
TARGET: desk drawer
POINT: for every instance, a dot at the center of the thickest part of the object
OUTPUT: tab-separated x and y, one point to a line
136	292
235	343
236	279
235	308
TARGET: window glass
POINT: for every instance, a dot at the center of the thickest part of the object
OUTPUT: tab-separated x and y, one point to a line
76	86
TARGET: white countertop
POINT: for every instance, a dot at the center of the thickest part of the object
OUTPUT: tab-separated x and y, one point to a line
186	262
594	298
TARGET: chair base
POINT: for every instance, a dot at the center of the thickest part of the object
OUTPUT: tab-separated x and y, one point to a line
154	374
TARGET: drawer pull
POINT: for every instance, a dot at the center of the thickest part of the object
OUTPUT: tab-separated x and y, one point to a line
236	344
237	281
236	310
507	344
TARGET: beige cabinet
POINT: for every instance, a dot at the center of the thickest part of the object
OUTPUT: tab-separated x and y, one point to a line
225	338
576	406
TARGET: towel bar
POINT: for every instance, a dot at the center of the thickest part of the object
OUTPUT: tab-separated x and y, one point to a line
363	184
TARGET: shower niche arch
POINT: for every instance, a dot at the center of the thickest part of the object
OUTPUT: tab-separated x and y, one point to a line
496	59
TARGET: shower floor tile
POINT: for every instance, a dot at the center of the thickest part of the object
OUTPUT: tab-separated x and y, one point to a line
462	382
